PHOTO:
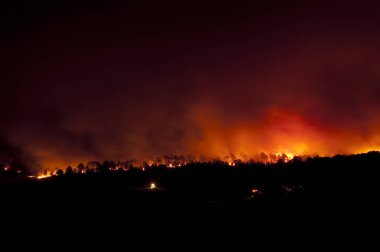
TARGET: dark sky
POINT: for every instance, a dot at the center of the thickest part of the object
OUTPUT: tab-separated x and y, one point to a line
85	80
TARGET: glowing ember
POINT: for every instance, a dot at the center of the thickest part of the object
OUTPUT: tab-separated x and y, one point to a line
256	193
152	186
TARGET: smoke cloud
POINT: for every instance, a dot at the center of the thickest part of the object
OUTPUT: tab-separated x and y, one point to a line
121	81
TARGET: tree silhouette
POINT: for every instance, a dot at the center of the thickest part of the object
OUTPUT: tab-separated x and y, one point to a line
59	172
103	168
69	170
81	167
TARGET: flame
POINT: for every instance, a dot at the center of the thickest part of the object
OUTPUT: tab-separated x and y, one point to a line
284	155
43	175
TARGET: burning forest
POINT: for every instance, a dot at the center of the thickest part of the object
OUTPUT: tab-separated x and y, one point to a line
204	104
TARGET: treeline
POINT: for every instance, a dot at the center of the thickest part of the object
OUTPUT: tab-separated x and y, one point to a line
334	178
329	164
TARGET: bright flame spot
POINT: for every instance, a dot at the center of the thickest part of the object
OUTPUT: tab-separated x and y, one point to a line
43	176
152	186
255	190
39	176
256	193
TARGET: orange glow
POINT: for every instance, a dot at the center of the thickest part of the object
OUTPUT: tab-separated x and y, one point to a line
278	134
283	132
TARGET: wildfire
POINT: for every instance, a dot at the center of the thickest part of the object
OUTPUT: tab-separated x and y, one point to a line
176	162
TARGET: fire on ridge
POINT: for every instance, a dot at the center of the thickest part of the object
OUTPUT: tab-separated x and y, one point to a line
171	161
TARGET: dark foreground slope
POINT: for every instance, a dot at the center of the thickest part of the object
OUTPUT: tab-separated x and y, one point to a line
341	183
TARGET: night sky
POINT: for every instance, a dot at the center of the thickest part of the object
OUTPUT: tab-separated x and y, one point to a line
96	80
